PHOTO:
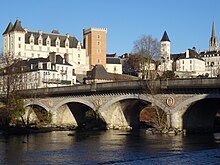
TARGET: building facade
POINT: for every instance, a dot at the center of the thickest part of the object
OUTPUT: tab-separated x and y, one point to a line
113	64
27	44
35	73
212	57
95	45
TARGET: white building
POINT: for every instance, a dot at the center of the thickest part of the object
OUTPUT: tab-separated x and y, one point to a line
27	44
166	61
113	64
189	64
34	73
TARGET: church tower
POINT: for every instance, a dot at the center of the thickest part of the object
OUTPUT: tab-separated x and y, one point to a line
213	43
165	47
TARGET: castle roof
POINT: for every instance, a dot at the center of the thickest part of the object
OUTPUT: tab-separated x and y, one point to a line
8	29
53	36
165	37
17	26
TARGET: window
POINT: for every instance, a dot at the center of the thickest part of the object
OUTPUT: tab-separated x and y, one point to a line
99	36
32	54
190	67
78	55
98	61
183	61
99	43
19	45
19	38
190	61
78	62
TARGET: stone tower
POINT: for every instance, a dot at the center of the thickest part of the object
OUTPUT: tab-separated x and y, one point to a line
95	45
165	47
213	43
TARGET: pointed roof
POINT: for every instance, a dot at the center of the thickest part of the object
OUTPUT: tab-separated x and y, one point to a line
8	29
99	72
213	30
17	26
165	37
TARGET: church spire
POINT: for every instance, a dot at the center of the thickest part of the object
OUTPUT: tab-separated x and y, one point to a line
213	43
213	29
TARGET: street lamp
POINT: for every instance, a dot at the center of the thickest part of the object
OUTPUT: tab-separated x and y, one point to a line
212	64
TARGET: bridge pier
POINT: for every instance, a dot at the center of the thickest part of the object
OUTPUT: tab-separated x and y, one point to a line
63	117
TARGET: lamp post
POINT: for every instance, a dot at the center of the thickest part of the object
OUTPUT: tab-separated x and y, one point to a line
212	64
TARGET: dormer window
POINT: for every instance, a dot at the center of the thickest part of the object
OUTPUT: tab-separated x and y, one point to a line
48	41
57	42
31	39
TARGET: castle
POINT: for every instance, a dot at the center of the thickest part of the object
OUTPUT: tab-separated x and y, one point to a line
26	44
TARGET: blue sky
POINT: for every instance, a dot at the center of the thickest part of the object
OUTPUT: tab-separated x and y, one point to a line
187	22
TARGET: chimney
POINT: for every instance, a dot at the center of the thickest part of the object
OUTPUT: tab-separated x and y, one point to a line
187	53
52	57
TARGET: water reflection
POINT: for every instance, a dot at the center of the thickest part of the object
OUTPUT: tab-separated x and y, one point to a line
96	147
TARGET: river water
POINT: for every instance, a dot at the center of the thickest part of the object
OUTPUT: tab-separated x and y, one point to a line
108	147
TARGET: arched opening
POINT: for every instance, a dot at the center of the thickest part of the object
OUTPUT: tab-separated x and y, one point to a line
136	113
78	115
36	115
202	116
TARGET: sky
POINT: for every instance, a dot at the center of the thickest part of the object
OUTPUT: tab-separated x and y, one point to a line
188	22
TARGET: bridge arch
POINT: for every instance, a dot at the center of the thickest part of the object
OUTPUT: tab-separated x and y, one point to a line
73	112
125	110
200	113
38	103
76	100
143	97
195	99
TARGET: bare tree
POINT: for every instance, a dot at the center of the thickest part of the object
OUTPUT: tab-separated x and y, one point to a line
10	79
148	49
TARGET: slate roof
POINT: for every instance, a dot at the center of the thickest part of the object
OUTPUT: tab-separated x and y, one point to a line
113	61
213	53
17	27
165	37
99	72
53	36
8	29
59	60
192	54
111	55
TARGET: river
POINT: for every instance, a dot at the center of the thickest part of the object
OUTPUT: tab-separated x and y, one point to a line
108	147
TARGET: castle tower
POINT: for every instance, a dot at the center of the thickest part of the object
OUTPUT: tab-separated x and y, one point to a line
165	46
6	39
213	43
14	40
95	45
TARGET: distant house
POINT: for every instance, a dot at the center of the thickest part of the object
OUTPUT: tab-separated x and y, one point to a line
188	64
34	73
99	75
113	64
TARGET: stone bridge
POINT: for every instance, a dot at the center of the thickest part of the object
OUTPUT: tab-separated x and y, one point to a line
190	104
